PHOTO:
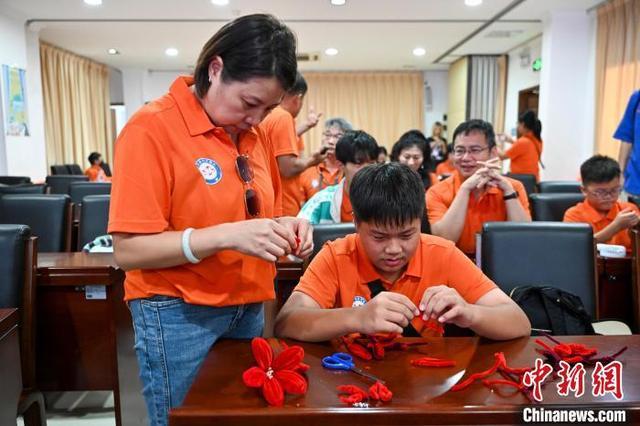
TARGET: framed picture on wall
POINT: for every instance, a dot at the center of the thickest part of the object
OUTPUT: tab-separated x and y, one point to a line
14	101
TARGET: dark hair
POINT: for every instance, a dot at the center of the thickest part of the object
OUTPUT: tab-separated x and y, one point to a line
94	156
476	125
251	46
531	122
408	140
299	86
382	150
356	147
387	194
599	169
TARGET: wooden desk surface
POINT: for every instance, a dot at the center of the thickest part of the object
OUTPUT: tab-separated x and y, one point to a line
420	394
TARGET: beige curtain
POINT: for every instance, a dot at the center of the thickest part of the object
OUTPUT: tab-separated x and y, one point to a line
384	104
617	68
458	84
501	95
76	107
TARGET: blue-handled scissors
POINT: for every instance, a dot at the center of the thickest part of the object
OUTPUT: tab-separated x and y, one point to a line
344	361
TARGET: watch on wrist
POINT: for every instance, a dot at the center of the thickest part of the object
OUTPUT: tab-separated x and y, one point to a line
511	196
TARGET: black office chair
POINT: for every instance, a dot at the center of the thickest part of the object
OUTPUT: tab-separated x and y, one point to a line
330	232
48	216
74	169
22	189
559	186
528	181
94	218
560	255
79	190
551	207
14	180
59	169
18	290
59	184
106	168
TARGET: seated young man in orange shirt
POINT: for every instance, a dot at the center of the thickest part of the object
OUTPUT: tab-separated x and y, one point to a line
388	277
609	218
476	192
95	173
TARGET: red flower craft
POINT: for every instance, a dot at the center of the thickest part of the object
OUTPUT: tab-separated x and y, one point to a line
276	376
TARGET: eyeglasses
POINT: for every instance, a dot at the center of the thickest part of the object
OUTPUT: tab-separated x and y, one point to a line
332	136
251	199
473	151
606	193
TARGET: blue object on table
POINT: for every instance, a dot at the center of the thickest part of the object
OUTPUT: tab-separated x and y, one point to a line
344	361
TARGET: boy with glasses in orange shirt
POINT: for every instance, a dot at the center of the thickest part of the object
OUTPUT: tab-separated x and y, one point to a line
610	219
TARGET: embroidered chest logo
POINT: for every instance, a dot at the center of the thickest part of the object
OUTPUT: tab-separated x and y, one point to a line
210	170
358	301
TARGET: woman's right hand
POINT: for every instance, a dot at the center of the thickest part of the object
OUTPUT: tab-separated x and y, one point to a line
263	238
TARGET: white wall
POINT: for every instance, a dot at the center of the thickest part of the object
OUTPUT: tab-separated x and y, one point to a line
520	77
438	82
141	86
567	92
23	155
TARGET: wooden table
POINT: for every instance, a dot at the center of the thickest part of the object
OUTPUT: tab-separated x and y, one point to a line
10	370
615	290
421	395
87	344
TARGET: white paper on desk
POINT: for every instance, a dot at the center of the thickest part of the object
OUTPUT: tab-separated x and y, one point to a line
95	292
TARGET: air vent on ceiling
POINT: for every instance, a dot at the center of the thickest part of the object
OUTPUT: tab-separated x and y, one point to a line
308	57
503	33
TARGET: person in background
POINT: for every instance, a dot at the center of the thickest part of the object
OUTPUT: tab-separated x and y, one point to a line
389	278
437	144
628	132
476	192
195	207
382	155
446	168
280	128
95	173
526	151
610	219
355	150
411	149
330	171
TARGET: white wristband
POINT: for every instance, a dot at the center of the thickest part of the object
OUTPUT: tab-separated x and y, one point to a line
186	247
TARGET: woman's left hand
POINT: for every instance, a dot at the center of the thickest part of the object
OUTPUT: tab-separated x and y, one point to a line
303	231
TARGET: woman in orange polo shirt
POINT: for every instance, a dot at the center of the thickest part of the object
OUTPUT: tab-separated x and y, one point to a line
413	150
526	151
195	191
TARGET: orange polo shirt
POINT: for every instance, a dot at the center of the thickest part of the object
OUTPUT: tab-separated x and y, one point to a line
525	155
174	169
315	179
585	213
346	209
280	128
338	275
96	174
445	168
489	207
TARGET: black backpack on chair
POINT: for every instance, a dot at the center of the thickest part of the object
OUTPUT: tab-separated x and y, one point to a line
553	311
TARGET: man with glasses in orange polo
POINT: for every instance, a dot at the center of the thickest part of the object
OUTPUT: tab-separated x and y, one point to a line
476	192
330	171
609	218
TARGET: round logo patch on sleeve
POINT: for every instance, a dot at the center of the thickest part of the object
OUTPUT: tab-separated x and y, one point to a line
358	301
210	170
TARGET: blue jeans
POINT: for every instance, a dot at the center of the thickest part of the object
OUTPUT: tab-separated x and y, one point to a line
172	338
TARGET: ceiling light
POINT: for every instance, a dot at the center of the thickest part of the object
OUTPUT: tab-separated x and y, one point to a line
473	2
113	51
338	2
332	51
220	2
93	2
419	51
172	51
